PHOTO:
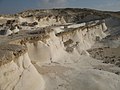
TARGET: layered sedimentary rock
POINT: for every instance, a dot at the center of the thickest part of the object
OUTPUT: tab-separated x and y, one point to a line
60	49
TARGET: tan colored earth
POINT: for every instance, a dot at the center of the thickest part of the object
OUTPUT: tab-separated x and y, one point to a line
60	49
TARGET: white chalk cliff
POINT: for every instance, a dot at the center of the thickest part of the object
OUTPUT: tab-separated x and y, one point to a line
60	49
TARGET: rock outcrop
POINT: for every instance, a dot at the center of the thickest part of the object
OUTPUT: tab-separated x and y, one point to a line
60	49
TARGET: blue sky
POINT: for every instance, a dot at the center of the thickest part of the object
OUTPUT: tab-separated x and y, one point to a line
13	6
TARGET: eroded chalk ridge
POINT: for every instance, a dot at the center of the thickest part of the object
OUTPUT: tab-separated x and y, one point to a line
60	49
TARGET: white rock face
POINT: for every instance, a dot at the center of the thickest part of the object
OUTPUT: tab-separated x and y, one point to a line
58	29
58	65
61	54
45	52
39	51
20	75
27	19
77	25
86	37
8	32
53	49
16	30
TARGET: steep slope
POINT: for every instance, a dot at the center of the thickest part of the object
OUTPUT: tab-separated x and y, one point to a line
16	70
60	49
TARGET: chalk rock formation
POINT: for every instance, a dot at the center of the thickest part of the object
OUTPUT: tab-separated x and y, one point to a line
60	49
